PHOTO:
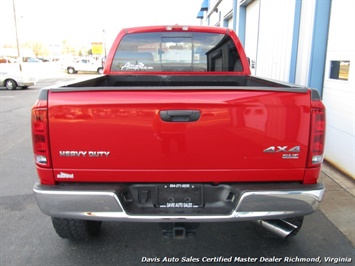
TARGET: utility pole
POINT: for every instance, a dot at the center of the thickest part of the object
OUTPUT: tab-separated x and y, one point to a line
17	41
104	31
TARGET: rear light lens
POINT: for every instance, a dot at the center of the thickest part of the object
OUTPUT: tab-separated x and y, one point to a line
317	138
40	134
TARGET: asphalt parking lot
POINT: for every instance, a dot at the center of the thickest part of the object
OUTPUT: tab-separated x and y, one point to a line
339	200
27	236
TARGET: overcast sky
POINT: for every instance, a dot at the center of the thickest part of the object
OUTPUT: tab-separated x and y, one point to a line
83	21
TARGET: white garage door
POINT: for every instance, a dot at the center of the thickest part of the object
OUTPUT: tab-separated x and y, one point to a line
251	33
268	37
339	87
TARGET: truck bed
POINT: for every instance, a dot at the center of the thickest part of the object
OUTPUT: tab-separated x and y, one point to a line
197	80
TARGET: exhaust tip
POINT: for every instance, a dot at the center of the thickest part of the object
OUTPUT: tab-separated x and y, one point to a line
280	227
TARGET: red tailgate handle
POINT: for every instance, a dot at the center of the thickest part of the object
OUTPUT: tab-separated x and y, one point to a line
180	115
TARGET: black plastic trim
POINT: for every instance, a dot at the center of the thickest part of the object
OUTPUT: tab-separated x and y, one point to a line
315	95
180	115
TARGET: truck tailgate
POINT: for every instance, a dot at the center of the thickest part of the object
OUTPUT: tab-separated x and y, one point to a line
178	135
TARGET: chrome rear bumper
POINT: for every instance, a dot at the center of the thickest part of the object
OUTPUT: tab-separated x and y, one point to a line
238	201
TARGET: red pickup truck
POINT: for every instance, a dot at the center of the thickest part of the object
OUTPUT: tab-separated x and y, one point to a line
177	132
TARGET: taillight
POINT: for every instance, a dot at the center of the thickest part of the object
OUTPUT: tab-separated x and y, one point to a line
317	138
40	134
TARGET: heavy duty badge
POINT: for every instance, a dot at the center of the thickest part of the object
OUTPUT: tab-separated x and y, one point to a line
84	153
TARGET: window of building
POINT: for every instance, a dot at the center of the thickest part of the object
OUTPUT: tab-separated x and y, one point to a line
339	70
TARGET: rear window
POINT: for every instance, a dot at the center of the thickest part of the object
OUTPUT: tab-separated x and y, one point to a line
176	51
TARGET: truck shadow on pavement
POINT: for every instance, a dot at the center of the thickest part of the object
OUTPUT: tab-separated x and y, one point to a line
137	243
29	239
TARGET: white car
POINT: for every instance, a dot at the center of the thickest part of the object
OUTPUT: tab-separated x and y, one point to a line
14	79
84	65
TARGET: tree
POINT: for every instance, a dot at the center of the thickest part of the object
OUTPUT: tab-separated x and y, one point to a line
67	48
39	49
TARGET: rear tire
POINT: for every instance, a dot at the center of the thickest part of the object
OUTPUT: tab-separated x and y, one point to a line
74	229
100	70
10	84
71	70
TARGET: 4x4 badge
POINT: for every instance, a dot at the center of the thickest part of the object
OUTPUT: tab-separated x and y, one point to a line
273	149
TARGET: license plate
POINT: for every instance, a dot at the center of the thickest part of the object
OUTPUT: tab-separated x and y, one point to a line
180	196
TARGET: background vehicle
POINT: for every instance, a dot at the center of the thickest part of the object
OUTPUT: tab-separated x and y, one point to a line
33	60
7	60
83	65
14	79
177	131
